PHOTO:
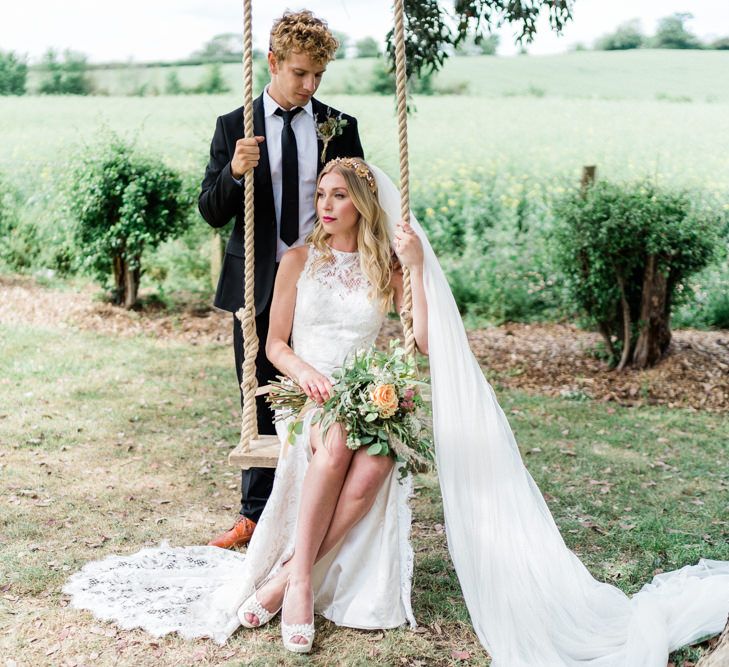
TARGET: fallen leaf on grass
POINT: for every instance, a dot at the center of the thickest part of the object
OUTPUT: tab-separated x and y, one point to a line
53	649
460	655
375	636
103	632
587	523
96	545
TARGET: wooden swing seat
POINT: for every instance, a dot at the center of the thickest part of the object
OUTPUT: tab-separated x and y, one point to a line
262	453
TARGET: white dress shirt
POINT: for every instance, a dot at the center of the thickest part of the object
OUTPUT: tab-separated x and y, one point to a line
306	148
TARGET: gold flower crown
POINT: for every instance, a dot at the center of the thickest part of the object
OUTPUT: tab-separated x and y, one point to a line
359	168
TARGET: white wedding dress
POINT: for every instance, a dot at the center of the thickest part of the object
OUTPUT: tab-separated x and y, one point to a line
532	602
364	582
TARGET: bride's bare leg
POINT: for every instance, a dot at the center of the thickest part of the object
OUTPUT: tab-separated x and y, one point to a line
320	491
364	479
321	488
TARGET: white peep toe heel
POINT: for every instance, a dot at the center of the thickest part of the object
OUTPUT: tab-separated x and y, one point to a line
253	606
305	630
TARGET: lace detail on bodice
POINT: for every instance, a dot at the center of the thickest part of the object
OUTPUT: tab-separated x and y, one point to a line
334	314
343	274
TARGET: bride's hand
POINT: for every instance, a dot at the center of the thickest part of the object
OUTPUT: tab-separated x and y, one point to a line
408	248
315	385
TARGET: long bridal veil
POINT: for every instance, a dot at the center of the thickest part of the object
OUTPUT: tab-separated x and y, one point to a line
532	602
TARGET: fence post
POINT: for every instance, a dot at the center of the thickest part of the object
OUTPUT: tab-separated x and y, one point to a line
589	176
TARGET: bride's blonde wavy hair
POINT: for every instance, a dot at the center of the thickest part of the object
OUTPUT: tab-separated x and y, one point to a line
373	243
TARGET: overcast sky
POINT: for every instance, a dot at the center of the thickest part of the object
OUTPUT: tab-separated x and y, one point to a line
170	29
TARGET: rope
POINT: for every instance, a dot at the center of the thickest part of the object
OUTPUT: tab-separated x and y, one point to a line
406	314
247	314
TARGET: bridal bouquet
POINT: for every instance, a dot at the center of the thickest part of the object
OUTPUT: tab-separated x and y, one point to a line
378	399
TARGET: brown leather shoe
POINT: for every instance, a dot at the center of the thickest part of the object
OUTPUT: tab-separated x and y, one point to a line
239	535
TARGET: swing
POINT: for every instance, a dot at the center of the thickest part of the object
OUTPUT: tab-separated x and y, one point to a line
261	451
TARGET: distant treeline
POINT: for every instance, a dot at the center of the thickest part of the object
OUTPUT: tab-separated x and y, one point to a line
69	72
671	33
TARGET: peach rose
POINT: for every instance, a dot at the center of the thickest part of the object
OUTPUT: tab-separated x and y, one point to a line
384	398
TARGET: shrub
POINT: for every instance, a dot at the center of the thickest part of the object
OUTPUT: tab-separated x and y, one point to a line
367	47
489	236
628	35
627	252
18	246
65	77
124	203
173	85
673	34
213	82
707	304
13	74
721	44
382	81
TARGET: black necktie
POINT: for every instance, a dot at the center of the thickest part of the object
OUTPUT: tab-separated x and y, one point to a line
290	181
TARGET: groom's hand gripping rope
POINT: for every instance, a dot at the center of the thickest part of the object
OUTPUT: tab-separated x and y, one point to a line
246	156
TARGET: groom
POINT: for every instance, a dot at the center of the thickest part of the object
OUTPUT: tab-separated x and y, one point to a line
295	136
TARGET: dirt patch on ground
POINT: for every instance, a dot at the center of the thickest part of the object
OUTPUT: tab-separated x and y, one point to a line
23	301
552	359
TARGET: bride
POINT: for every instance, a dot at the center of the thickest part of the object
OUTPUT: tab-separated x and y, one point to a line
335	533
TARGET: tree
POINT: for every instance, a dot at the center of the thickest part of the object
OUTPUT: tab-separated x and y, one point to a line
483	46
124	203
382	81
672	33
721	44
173	85
627	253
213	83
222	47
13	73
65	77
343	39
429	37
367	47
628	35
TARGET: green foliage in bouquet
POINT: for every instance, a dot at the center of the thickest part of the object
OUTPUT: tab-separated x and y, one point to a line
378	400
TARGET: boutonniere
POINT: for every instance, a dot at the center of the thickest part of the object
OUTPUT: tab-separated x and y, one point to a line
332	127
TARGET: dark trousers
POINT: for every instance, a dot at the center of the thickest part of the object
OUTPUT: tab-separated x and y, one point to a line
256	483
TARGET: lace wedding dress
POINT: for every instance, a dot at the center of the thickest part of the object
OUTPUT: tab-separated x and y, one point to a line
532	602
365	582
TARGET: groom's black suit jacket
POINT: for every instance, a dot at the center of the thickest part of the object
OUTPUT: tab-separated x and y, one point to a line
221	198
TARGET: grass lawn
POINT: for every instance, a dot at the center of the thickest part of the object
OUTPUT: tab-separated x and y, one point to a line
111	444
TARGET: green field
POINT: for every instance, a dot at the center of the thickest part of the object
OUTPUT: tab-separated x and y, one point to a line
521	136
544	117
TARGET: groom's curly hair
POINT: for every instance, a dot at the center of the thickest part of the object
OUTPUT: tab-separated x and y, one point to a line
304	32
